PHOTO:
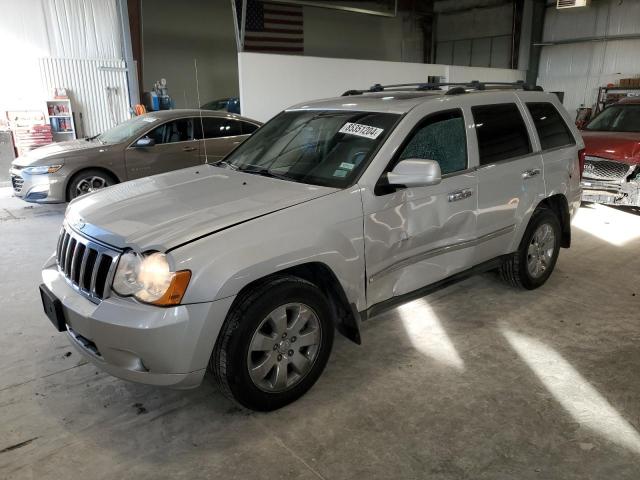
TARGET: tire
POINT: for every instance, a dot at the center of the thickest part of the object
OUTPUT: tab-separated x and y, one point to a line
253	339
87	181
518	269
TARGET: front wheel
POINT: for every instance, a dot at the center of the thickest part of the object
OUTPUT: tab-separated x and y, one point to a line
274	344
88	181
533	263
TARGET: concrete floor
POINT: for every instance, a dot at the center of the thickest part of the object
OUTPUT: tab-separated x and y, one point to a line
478	381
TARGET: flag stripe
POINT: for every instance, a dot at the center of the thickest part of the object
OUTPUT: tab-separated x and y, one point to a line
271	11
251	39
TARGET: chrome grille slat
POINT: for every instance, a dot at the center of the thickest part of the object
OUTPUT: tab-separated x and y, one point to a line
94	275
83	262
67	261
83	267
63	251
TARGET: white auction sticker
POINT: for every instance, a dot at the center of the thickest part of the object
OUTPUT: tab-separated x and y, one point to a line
361	130
149	119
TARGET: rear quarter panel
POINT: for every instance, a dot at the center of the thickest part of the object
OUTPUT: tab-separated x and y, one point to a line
561	165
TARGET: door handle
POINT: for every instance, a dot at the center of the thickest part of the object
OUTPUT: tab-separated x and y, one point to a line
531	173
189	149
460	194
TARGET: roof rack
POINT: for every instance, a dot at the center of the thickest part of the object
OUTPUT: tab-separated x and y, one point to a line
458	87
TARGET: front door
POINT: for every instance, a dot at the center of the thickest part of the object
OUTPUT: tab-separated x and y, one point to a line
510	176
417	236
174	148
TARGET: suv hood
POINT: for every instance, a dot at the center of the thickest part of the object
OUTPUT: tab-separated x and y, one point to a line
619	146
164	211
55	151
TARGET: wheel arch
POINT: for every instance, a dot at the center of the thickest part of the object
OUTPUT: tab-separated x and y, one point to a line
346	316
77	172
560	206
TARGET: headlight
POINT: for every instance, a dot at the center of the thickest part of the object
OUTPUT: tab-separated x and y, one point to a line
149	278
42	169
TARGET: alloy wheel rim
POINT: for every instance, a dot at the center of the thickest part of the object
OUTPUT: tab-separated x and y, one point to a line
540	250
90	184
284	347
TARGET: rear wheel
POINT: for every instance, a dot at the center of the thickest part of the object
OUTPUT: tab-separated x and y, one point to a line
533	263
88	181
274	344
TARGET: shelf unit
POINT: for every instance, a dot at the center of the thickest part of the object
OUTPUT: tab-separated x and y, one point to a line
609	95
60	118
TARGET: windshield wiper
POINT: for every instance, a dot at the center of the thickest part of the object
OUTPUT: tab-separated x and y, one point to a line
89	139
224	164
265	172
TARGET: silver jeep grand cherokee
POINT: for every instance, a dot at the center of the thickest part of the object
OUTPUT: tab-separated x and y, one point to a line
332	211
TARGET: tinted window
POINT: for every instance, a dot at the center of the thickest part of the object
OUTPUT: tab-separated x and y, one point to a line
217	127
501	132
552	130
442	138
248	128
175	131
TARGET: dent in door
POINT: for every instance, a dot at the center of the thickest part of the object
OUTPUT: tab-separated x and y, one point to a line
401	235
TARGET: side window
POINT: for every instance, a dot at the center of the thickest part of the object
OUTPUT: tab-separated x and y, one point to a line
501	131
215	127
248	128
440	137
180	130
552	130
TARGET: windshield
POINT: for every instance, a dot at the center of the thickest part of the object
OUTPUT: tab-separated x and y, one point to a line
328	148
617	118
128	129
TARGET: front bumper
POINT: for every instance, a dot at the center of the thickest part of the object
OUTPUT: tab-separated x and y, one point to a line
611	192
46	188
138	342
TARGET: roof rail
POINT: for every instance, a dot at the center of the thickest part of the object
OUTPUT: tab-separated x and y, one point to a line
458	87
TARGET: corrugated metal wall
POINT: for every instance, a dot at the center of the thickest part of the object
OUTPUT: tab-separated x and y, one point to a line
479	37
97	88
578	69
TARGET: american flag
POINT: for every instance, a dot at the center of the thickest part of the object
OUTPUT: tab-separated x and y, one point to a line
272	27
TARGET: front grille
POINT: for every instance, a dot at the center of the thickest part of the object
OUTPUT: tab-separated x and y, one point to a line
87	265
605	169
16	182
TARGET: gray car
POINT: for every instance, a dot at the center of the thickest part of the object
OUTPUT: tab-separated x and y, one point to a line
153	143
330	213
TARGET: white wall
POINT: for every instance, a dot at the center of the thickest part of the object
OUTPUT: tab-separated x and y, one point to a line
270	83
34	29
578	69
174	34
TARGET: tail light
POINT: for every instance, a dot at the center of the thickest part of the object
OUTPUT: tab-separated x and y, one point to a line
581	155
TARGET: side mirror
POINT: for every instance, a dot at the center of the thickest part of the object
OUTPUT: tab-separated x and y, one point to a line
415	172
144	142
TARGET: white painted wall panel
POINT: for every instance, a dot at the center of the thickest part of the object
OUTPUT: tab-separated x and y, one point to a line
97	88
270	83
578	69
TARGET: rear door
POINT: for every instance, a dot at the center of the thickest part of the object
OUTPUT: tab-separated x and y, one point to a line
559	149
510	173
219	135
175	148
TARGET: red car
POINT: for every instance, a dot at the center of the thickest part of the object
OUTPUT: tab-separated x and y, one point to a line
612	155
